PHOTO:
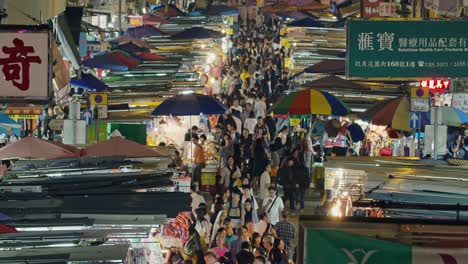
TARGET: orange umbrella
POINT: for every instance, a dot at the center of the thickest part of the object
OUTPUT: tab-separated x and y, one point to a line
118	146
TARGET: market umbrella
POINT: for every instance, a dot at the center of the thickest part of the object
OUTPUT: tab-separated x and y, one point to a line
306	22
7	122
89	82
189	105
394	113
35	148
118	146
333	127
144	31
453	117
311	101
197	33
356	132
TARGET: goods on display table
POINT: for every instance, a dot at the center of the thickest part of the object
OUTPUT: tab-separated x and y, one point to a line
174	232
344	186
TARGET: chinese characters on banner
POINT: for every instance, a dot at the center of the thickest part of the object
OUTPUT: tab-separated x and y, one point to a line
24	64
379	8
436	85
392	49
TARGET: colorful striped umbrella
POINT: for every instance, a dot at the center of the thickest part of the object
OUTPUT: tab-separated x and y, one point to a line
453	117
311	101
394	113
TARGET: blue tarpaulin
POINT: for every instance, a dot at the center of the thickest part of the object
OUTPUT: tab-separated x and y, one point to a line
339	24
197	33
145	31
306	22
7	122
89	82
189	105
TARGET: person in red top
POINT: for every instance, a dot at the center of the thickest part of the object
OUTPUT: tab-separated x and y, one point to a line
198	160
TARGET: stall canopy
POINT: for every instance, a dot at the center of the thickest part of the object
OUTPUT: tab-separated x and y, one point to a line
324	67
148	56
145	31
35	148
7	123
118	146
89	82
115	60
189	105
131	47
197	33
292	14
306	22
125	39
220	10
335	83
339	24
152	19
172	11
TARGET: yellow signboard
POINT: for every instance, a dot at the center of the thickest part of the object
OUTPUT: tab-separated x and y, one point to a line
294	121
16	117
420	92
98	99
230	31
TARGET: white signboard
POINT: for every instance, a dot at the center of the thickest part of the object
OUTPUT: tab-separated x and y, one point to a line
419	105
460	101
24	64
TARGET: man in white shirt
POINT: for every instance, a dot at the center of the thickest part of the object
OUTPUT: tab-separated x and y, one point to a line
273	206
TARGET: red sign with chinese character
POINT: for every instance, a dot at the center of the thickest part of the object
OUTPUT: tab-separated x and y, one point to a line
370	8
436	85
24	64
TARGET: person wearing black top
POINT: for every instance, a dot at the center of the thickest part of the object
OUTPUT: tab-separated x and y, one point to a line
245	256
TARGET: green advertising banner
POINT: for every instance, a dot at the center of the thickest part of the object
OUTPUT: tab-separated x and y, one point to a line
339	247
405	50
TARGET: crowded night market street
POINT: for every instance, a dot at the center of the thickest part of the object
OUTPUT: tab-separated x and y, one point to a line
233	131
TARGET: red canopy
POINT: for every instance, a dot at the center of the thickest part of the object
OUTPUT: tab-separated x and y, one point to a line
118	146
35	148
6	229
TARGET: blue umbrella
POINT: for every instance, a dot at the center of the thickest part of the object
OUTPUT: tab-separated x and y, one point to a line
89	82
306	22
189	105
7	122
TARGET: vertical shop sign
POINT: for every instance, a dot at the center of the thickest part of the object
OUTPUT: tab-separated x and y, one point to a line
24	64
